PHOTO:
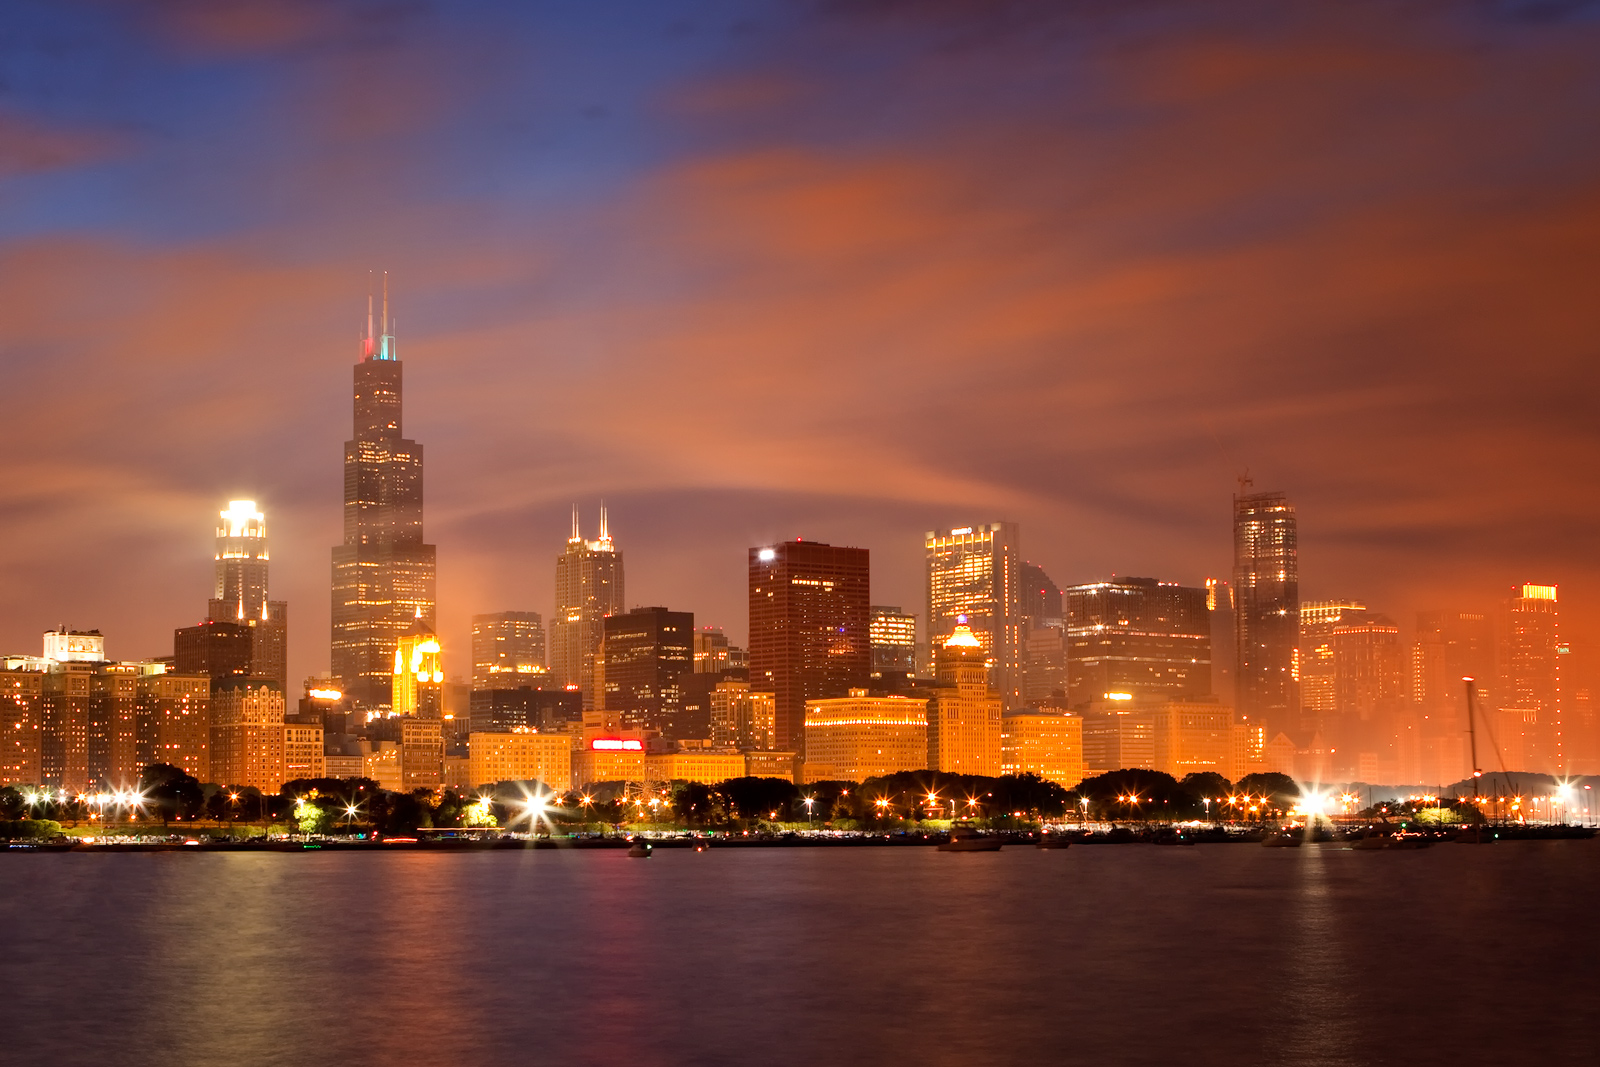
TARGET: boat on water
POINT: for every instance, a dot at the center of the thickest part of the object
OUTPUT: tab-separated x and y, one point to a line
1283	839
1388	838
640	849
966	839
1048	839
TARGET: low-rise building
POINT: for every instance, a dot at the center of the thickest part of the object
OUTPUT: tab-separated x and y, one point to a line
302	751
520	756
694	765
1047	744
857	737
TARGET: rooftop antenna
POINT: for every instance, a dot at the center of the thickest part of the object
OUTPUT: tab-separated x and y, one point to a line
576	536
605	534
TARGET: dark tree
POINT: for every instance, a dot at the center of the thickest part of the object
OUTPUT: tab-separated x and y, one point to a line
1029	794
695	804
757	798
1157	795
171	792
1281	791
1206	784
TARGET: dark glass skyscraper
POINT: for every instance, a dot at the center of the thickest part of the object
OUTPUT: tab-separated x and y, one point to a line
1137	636
810	628
1266	587
647	652
383	573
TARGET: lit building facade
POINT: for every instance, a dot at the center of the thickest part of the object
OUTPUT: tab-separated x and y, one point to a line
1137	636
1266	589
421	753
976	572
856	737
646	652
694	765
1117	736
588	588
73	720
608	759
520	756
302	751
507	649
964	713
894	643
1529	650
1194	737
742	718
247	735
1044	743
810	619
384	574
1318	619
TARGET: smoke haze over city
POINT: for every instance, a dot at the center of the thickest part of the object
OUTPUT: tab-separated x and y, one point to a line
846	271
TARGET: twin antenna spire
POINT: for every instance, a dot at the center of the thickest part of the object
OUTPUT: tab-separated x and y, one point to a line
577	534
378	344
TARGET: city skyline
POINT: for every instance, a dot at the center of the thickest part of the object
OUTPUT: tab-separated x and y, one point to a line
1430	467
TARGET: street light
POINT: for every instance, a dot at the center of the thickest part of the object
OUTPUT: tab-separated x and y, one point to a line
809	801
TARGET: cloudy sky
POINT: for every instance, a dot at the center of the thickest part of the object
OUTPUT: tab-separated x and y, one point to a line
840	270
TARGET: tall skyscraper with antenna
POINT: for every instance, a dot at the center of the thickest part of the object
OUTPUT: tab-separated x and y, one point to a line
588	588
383	573
1266	587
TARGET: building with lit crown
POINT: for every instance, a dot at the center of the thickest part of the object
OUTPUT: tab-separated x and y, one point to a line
384	574
964	713
589	587
416	685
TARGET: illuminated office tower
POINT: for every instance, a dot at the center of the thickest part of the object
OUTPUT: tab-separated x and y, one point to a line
1224	658
740	718
588	588
976	572
507	649
646	653
1137	636
1371	693
1318	619
964	712
1266	590
810	628
1528	657
894	643
416	678
383	573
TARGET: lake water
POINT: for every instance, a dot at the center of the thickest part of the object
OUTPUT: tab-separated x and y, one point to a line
1135	954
